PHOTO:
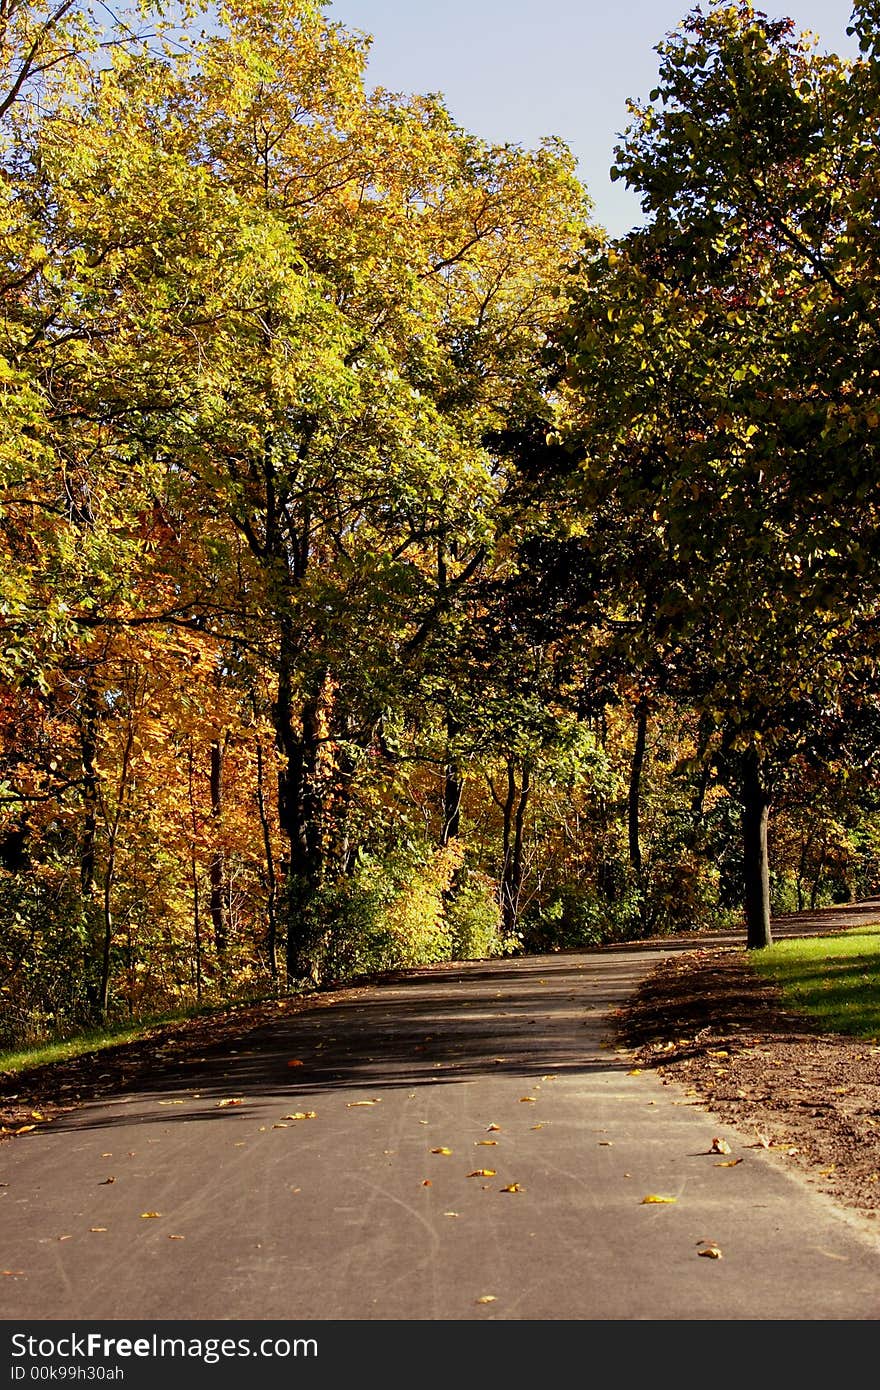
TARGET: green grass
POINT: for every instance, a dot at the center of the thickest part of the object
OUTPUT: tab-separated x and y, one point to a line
835	980
98	1039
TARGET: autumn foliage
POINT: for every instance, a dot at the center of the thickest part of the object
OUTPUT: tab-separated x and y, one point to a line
372	587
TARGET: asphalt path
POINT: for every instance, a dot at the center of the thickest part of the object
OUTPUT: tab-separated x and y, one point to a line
205	1197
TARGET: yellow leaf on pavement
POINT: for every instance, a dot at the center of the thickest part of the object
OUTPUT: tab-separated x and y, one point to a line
482	1173
654	1197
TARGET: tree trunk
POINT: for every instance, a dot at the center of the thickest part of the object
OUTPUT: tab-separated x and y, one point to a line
635	783
271	882
452	788
217	871
756	866
300	805
515	804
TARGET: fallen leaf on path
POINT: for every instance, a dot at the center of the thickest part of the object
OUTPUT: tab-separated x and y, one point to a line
482	1173
35	1115
488	1143
493	1129
295	1062
719	1146
606	1144
106	1182
441	1151
550	1078
731	1163
65	1237
148	1214
378	1101
634	1071
24	1129
302	1115
528	1100
106	1155
230	1100
538	1126
512	1187
653	1197
711	1252
177	1237
427	1183
487	1298
96	1229
279	1125
171	1102
13	1273
451	1213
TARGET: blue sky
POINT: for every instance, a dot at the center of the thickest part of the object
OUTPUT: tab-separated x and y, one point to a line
516	70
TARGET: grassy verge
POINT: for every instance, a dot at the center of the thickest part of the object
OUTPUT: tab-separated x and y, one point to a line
833	979
98	1039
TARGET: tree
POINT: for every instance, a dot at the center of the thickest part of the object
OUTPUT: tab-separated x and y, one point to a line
731	513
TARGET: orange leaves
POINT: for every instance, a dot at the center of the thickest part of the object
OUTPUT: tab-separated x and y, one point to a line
230	1100
296	1062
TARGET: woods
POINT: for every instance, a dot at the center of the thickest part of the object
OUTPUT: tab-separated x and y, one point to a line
395	568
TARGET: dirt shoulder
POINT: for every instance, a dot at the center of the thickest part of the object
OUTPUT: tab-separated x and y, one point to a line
706	1020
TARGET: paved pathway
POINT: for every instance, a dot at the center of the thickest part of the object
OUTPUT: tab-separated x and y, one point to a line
360	1213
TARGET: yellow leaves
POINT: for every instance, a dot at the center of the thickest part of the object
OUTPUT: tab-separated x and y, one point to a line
528	1100
442	1150
302	1115
230	1100
24	1129
484	1298
150	1215
483	1173
353	1104
175	1237
171	1102
654	1199
513	1187
634	1071
96	1229
728	1163
486	1143
493	1129
711	1251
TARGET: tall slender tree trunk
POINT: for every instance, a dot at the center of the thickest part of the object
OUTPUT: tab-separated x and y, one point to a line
217	869
756	865
515	805
635	784
271	880
453	786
